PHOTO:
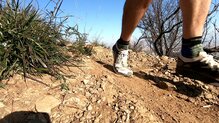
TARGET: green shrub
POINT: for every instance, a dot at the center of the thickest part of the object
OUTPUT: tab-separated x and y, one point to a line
29	43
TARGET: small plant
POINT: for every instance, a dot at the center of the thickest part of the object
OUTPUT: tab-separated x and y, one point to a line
79	46
97	42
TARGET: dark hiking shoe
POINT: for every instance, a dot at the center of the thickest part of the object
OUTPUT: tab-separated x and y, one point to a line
120	64
203	67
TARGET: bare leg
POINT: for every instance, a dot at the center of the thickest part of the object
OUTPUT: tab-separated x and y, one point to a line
194	16
133	12
193	62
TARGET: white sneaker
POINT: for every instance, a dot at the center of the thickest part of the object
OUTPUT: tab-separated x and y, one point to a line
203	66
120	64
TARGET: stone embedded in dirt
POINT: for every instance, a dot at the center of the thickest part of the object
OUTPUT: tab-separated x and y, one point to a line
205	87
188	80
190	99
46	104
80	101
181	96
11	82
88	94
167	73
89	108
209	96
87	76
176	79
93	99
165	59
79	114
2	105
199	82
171	66
132	107
166	86
15	79
85	82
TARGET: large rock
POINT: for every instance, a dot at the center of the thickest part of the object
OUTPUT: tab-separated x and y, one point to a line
46	104
78	101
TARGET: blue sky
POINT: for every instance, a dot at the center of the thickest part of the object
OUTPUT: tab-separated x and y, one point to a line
99	18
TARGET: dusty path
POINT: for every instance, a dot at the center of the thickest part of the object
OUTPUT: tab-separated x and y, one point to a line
95	94
168	105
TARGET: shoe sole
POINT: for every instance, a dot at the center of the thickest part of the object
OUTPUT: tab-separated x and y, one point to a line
197	75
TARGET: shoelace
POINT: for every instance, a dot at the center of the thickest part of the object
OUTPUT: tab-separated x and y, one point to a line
123	58
208	59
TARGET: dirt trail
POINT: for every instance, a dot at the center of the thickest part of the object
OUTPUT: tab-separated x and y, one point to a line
95	94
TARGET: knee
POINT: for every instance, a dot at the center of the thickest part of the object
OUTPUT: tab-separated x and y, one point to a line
139	3
145	3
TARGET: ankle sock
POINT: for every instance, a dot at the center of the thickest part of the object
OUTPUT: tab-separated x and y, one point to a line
191	47
121	44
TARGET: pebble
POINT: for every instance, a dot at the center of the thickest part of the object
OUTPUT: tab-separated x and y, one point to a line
132	107
116	107
93	113
106	76
165	59
82	119
93	99
79	114
155	70
199	82
85	82
79	101
99	101
87	76
89	108
151	73
171	67
192	100
167	73
93	91
87	94
123	117
100	89
206	87
97	120
207	106
2	105
176	79
182	97
11	82
88	115
166	86
186	79
208	96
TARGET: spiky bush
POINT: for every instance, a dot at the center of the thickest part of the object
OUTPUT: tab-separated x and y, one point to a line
29	43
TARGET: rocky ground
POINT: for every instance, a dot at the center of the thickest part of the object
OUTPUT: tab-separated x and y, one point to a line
93	93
